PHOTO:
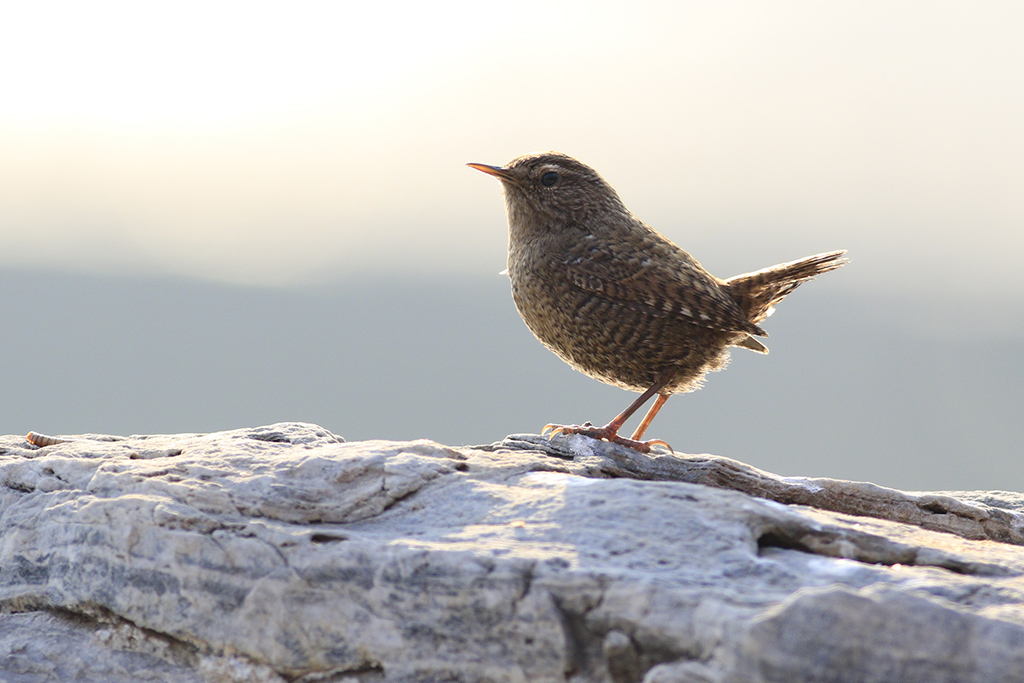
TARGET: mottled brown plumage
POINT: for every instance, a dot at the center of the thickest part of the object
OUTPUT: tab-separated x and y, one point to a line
619	301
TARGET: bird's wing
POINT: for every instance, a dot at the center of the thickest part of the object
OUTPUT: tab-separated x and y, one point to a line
656	276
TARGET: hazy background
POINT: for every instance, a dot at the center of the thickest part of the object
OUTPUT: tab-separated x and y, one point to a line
216	215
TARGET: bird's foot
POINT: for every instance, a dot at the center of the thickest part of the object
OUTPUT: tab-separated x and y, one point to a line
607	433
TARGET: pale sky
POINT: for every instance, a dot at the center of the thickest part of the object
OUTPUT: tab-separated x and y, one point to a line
289	143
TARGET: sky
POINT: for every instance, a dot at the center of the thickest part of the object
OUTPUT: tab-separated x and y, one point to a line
280	144
200	161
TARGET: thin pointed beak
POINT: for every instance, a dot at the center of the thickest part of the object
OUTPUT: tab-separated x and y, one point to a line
499	172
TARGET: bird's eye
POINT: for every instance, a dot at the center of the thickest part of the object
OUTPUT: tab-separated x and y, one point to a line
549	179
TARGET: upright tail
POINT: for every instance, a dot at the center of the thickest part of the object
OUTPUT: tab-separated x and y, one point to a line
757	293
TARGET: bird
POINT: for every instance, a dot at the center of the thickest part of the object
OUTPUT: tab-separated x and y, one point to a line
619	301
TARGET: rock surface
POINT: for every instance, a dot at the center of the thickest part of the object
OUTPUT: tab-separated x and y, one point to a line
282	553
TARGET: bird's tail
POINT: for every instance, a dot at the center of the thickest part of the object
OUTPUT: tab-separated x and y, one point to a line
757	293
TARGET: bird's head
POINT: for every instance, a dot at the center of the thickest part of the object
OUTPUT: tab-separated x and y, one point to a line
550	191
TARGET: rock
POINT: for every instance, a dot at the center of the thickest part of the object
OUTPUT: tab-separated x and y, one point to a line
282	553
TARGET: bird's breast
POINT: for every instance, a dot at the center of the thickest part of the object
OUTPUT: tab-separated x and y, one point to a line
615	341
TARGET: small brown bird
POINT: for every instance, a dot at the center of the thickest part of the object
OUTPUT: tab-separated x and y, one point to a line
617	300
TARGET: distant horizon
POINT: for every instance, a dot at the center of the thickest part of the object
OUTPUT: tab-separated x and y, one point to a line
951	316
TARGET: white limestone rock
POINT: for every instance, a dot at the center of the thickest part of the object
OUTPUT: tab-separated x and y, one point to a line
282	553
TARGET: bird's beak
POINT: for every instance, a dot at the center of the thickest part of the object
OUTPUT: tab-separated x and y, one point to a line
499	172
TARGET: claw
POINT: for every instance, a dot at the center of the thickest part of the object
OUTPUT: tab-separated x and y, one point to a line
555	429
662	443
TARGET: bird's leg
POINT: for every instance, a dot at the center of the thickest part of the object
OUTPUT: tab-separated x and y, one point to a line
649	417
610	432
